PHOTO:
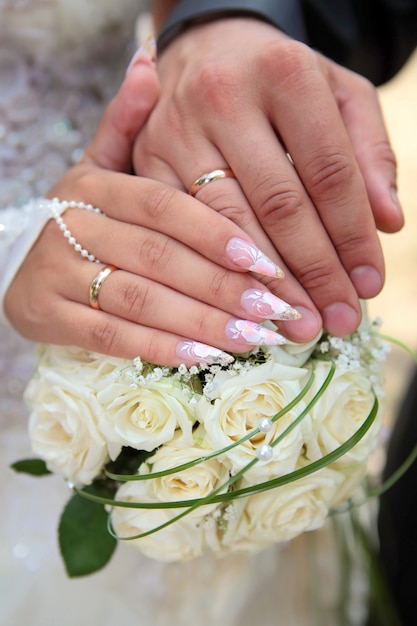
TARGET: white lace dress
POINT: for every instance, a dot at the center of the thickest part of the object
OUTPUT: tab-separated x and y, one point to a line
60	60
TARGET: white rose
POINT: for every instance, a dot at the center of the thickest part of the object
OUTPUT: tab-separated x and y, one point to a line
144	417
198	481
239	402
342	410
92	369
294	354
63	425
195	532
285	512
182	540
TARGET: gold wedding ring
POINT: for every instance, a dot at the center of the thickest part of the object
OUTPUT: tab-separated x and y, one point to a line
209	178
96	285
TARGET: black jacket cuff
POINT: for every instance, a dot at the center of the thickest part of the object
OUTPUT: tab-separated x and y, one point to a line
284	14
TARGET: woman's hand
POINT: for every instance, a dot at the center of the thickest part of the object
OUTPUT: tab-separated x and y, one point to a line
183	269
229	89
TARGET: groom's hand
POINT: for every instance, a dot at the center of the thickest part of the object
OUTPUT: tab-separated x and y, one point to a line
238	93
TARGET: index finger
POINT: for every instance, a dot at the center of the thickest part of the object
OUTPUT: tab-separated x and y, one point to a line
112	145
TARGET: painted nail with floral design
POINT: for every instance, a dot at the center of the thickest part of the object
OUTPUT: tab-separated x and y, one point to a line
193	351
264	304
247	256
252	333
146	52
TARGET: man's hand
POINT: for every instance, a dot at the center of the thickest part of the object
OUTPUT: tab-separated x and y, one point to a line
238	93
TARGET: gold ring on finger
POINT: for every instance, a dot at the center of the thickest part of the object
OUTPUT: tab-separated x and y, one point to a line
96	285
210	177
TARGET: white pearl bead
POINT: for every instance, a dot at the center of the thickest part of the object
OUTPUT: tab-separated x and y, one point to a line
264	452
265	424
55	206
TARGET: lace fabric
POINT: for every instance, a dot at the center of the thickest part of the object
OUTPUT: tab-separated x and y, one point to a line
60	63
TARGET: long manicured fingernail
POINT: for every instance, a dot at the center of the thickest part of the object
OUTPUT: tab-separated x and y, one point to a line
146	51
253	334
247	256
195	352
264	304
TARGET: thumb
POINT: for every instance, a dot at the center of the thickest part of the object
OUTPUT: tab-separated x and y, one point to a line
124	117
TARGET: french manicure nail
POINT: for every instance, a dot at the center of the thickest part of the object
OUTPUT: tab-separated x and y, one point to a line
247	256
146	51
202	353
253	334
264	304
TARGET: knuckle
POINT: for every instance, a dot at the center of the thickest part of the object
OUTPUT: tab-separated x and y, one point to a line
153	349
84	183
156	200
135	301
215	88
202	326
352	242
104	336
384	153
241	217
217	197
317	276
287	60
156	252
278	200
219	284
330	173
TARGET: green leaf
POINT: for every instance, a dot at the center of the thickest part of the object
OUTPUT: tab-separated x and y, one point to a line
128	461
85	543
35	467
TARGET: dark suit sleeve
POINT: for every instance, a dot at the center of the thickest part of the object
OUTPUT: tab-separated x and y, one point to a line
372	37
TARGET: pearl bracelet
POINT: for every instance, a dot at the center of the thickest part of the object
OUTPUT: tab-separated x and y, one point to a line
56	208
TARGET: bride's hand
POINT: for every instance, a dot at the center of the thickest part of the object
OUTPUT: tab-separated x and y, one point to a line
228	88
183	269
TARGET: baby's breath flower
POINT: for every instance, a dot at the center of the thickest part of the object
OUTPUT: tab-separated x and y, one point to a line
324	347
229	513
215	410
137	362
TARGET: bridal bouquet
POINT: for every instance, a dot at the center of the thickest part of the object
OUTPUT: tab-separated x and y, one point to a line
180	461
